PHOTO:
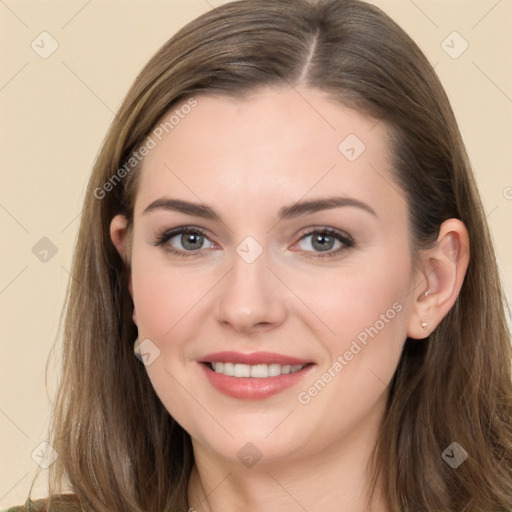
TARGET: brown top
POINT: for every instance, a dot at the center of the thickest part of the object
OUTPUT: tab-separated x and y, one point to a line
63	503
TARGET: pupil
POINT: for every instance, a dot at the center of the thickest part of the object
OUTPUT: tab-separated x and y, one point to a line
323	242
192	241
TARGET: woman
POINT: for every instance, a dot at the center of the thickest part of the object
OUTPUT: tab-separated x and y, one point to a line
283	226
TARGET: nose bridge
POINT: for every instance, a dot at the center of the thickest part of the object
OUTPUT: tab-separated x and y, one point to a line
250	296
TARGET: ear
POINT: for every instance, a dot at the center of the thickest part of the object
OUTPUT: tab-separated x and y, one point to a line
119	235
440	278
121	238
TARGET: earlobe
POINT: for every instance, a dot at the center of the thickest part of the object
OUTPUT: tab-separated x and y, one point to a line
442	273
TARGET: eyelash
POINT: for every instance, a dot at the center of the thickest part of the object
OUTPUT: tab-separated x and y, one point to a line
345	239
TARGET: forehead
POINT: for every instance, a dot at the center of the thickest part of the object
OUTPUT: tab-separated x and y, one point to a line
277	144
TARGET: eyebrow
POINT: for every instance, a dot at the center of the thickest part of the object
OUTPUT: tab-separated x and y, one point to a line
316	205
287	212
186	207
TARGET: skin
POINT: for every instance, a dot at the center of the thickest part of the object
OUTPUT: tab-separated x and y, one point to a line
246	159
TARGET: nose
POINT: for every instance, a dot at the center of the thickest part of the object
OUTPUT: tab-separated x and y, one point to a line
251	299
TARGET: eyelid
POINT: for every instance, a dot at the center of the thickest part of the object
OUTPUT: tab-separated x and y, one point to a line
338	233
169	233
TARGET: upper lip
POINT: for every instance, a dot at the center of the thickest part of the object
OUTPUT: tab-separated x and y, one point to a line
253	358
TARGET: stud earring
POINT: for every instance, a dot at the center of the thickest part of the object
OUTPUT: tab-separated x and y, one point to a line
428	292
423	325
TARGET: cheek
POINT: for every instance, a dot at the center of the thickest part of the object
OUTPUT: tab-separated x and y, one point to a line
363	312
367	310
350	300
156	303
165	301
163	295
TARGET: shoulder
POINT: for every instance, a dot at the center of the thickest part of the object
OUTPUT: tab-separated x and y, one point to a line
62	503
29	506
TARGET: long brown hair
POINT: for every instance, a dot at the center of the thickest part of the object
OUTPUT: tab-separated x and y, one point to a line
118	447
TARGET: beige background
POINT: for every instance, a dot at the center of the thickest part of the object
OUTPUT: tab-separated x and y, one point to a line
55	112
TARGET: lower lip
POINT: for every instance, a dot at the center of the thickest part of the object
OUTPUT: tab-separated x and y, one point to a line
250	388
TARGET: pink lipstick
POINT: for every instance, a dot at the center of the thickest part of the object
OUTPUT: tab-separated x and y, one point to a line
253	376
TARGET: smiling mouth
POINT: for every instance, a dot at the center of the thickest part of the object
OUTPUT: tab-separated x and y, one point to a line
254	376
257	371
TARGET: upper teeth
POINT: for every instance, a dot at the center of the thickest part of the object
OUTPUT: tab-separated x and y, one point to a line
258	371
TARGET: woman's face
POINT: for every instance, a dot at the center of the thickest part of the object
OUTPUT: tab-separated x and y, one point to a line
271	240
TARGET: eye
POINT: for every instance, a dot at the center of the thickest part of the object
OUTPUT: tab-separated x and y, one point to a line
325	242
184	240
